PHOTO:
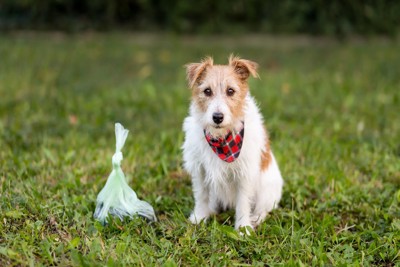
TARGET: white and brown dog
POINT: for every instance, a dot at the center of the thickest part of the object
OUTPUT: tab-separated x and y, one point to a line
226	148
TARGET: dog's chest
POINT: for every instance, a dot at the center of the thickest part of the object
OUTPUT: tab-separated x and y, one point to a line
222	180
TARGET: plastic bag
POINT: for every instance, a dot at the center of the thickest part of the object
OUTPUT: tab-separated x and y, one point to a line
117	198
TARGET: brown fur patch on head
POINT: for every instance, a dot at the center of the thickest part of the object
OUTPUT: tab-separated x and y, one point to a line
237	102
266	155
243	67
195	71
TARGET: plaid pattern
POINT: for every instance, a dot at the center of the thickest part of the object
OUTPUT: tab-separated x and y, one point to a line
228	148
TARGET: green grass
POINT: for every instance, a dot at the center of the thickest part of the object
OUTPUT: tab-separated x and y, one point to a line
332	110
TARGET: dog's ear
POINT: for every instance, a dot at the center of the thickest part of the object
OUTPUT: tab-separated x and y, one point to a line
194	71
243	67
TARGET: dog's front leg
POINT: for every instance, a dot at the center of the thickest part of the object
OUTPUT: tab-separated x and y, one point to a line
243	207
201	209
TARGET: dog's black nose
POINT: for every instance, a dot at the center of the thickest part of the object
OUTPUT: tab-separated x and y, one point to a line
218	117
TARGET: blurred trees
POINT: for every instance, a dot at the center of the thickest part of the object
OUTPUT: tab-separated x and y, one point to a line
208	16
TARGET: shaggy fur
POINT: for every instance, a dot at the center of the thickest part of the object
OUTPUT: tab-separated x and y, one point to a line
252	184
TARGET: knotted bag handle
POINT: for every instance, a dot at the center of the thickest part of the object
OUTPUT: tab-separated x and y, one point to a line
120	134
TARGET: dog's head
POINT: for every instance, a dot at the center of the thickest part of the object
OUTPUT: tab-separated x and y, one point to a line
219	92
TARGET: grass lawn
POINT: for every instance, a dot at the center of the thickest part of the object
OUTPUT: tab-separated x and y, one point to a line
332	110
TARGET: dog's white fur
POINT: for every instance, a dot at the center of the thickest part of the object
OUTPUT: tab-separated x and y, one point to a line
242	184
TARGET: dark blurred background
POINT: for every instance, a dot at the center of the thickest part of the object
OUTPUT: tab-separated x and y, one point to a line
317	17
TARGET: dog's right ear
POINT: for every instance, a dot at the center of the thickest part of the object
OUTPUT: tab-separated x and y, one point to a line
195	71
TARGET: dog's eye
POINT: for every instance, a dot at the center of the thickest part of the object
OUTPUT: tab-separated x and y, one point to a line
230	92
207	92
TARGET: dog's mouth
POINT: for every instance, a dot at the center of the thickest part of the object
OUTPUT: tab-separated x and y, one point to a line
216	130
222	125
222	129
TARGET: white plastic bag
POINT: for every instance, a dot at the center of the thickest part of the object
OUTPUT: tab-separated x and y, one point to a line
117	198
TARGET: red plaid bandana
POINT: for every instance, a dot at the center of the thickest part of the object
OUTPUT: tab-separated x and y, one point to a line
228	148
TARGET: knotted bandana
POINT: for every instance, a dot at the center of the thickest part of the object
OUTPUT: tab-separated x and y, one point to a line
228	148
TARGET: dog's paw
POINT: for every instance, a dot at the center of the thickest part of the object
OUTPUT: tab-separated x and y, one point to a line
256	219
246	230
196	219
244	227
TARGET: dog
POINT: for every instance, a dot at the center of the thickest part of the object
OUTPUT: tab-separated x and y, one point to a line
226	149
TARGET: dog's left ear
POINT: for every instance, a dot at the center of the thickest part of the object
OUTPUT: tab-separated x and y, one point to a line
243	67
